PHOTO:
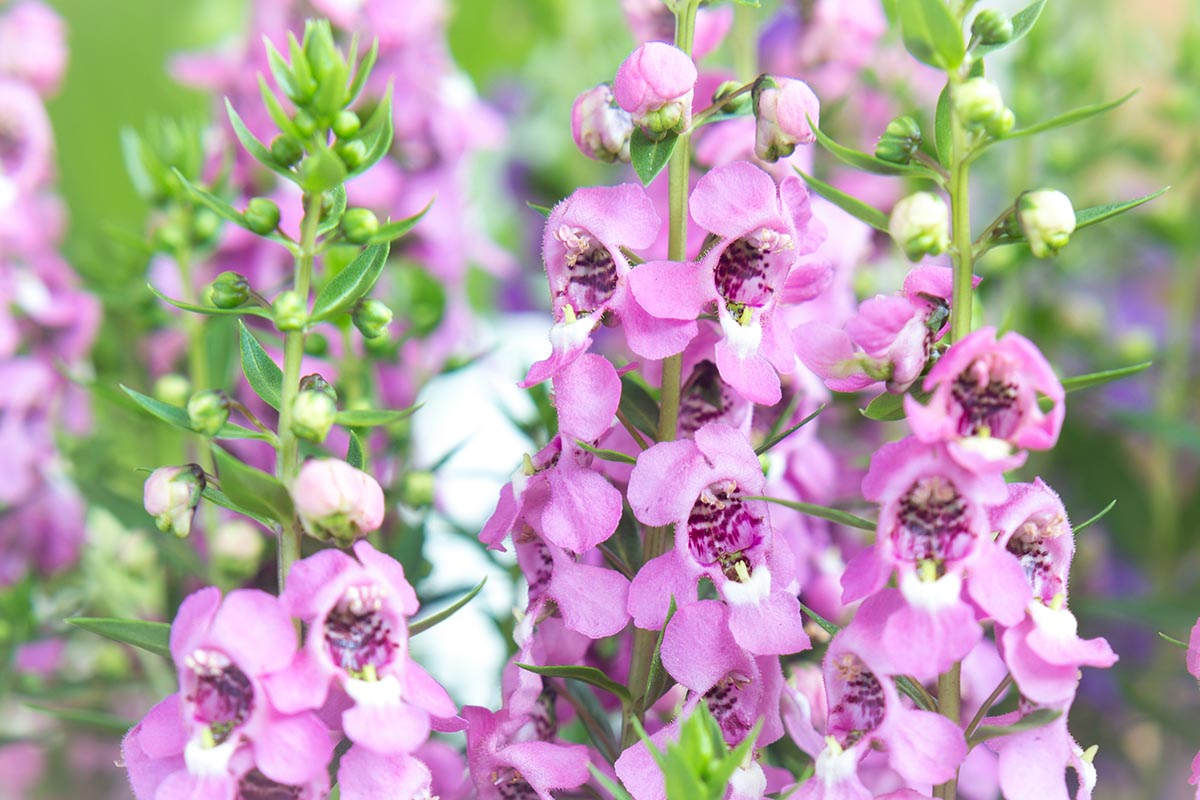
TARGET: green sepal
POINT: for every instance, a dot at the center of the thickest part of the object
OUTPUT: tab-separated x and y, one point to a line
153	637
251	488
649	156
822	512
606	455
331	218
851	205
254	310
1022	22
354	282
869	163
305	80
1031	721
931	33
425	623
589	675
261	371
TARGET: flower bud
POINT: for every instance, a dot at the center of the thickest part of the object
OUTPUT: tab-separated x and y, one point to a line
346	124
316	344
336	502
920	224
352	153
900	141
289	311
655	86
262	215
321	171
286	151
978	103
782	109
205	225
601	128
171	495
1047	220
359	224
173	389
208	411
371	317
992	26
416	489
230	290
316	383
237	549
304	122
313	414
326	61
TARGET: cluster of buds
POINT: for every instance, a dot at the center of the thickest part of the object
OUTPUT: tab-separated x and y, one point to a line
980	106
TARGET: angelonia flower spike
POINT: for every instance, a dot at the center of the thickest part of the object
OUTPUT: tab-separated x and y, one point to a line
788	523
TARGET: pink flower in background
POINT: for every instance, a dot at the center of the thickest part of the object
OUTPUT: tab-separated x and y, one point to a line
504	767
651	20
600	127
785	109
33	46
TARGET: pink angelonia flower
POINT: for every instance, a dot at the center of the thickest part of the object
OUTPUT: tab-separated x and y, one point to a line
700	486
357	612
785	109
541	640
934	533
1044	653
889	339
985	401
557	493
222	726
865	714
762	230
1033	763
366	775
655	85
600	127
588	273
26	156
504	767
33	46
704	396
652	21
591	599
337	501
1033	527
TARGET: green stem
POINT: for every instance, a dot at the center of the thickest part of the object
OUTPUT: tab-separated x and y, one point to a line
950	706
658	540
960	213
288	463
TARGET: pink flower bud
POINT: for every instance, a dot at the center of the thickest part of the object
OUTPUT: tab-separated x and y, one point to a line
600	128
655	86
171	495
336	501
782	109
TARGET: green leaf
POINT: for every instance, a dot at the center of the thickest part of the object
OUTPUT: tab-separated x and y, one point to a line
425	623
280	70
829	627
889	407
178	417
253	310
657	679
331	218
1029	722
867	162
1022	22
823	512
911	688
275	109
354	452
851	205
1100	378
394	230
606	455
931	33
1090	216
133	154
257	150
210	201
1068	118
638	406
251	488
648	156
363	72
101	720
779	437
942	127
1101	515
589	675
1172	640
215	495
261	371
374	417
153	637
543	210
377	134
351	284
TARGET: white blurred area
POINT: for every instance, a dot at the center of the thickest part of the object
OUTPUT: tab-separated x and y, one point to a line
471	409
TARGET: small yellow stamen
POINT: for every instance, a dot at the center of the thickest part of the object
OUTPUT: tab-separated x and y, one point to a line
569	314
927	571
743	574
1089	755
1057	602
527	465
207	740
746	316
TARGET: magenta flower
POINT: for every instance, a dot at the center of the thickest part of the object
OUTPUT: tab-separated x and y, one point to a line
762	230
33	46
1044	654
357	612
785	109
591	599
1033	763
600	127
503	767
222	726
934	531
588	273
1033	527
337	502
985	401
366	775
699	486
655	85
652	20
25	163
704	396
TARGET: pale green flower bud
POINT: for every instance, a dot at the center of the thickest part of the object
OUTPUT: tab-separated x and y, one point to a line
173	389
992	26
313	414
208	412
290	311
1047	220
262	215
979	104
920	224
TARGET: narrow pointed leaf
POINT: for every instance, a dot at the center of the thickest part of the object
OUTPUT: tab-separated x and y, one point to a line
931	33
253	310
1022	22
889	407
351	284
425	623
638	406
918	695
1069	117
589	675
178	417
215	495
1090	216
280	70
1172	640
275	109
851	205
942	127
251	488
609	784
867	162
132	151
779	437
823	512
649	156
153	637
100	720
1099	516
1100	378
394	230
364	71
606	455
354	452
1029	722
374	417
657	679
264	375
257	150
377	134
213	203
543	210
827	626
